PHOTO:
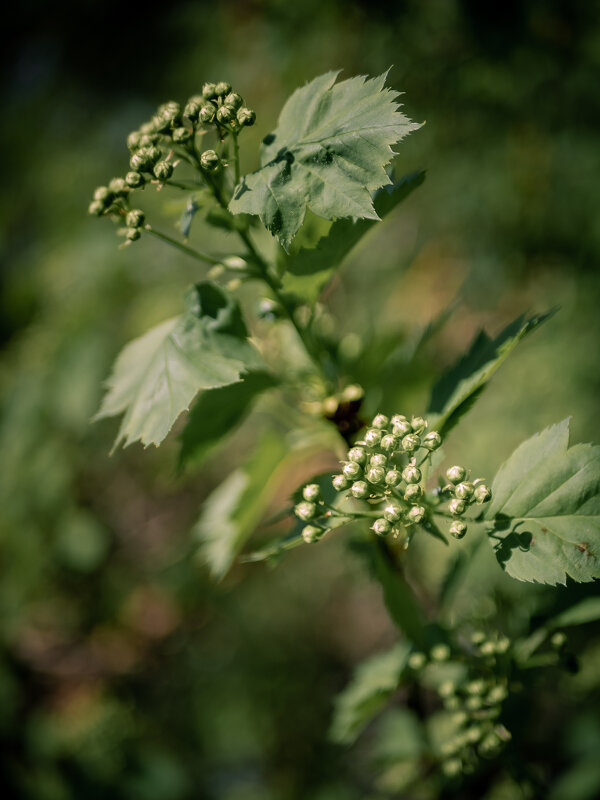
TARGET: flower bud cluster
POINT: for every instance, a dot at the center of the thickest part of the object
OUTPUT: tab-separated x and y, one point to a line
463	494
312	509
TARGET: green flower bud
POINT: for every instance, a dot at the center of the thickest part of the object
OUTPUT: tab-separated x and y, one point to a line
378	460
415	515
134	179
357	454
148	140
457	507
311	492
401	428
458	528
456	474
473	703
482	494
496	695
451	703
208	113
147	129
392	512
410	442
432	440
360	490
340	482
163	170
489	745
473	734
413	493
389	442
380	421
373	437
460	718
376	475
225	115
209	91
103	194
96	208
411	474
440	652
161	123
222	88
141	160
381	527
417	660
488	649
476	686
397	419
418	424
393	477
154	153
463	490
133	140
305	510
478	637
233	100
171	112
502	644
135	218
558	640
118	186
181	135
447	688
246	117
132	234
210	161
311	534
352	470
452	767
192	110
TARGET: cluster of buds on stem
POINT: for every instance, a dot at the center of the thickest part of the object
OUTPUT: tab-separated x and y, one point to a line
463	493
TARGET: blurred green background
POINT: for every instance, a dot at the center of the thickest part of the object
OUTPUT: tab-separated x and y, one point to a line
126	673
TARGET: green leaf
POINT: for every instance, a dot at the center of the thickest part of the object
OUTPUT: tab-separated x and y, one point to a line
371	686
546	509
329	152
157	376
311	268
587	610
216	412
232	512
457	390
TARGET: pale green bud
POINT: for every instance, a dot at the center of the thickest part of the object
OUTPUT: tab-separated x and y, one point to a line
463	490
410	442
417	660
360	490
352	470
413	493
440	652
381	527
393	477
305	510
380	421
415	515
340	482
311	492
401	428
482	494
432	440
311	534
418	424
411	474
457	507
378	460
357	454
389	442
458	529
373	437
376	475
392	512
456	474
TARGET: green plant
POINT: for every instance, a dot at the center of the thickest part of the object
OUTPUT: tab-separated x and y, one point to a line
324	181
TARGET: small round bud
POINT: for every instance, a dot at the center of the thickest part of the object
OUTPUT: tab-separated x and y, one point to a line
373	437
210	161
415	515
418	424
458	529
233	100
410	442
381	527
311	534
451	703
440	652
476	686
477	637
305	510
413	493
225	115
376	475
311	492
171	112
181	135
135	218
558	640
154	153
473	734
340	482
352	470
502	644
222	88
457	507
473	703
192	110
209	91
357	454
459	718
452	767
132	234
446	689
207	113
393	477
401	428
482	494
417	660
380	421
463	490
392	512
378	460
496	695
163	170
411	474
456	474
148	140
359	490
432	440
118	186
397	418
161	123
134	179
133	140
246	117
389	442
141	160
103	194
487	648
96	208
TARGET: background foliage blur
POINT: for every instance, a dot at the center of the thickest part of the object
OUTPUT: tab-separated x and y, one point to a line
124	671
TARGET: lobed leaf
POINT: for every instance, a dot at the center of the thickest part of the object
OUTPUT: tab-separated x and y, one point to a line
329	153
545	509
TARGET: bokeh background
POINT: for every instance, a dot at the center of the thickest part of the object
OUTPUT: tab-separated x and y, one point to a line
124	671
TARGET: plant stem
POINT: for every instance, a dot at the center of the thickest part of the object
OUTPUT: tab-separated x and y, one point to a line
236	159
183	247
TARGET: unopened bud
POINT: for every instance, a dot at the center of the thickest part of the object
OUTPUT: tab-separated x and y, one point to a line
456	474
135	218
163	170
210	161
305	510
340	482
311	534
381	527
360	490
415	515
411	474
410	442
311	492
